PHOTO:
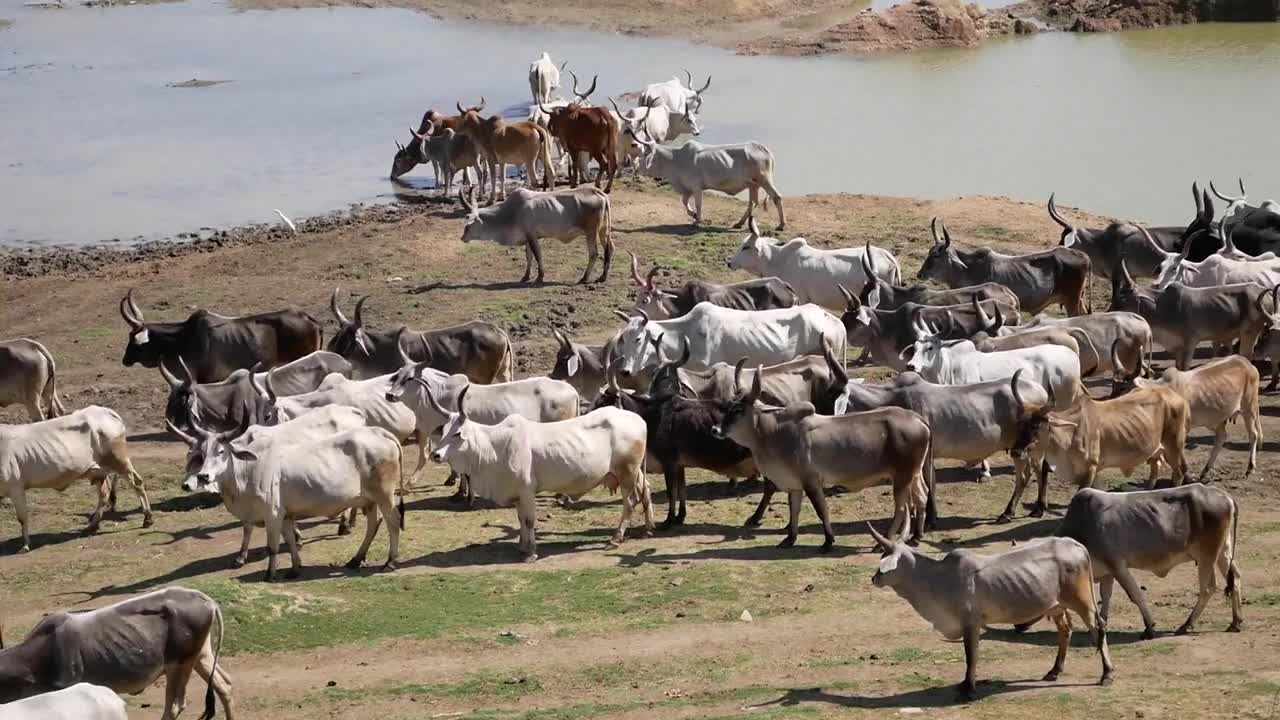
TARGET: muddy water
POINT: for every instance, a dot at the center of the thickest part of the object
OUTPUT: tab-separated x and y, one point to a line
95	145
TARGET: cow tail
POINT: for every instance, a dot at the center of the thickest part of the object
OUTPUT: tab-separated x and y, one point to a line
50	392
210	708
1231	562
506	364
549	176
1088	293
608	232
400	475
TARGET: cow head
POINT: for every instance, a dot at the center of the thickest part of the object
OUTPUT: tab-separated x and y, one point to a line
686	122
568	357
649	297
930	349
648	148
140	350
835	398
407	157
1174	266
181	395
737	413
410	370
666	379
454	436
474	227
859	320
1203	220
942	257
270	410
1123	292
1070	234
897	560
211	455
870	290
611	393
1270	341
1123	380
469	120
351	340
754	252
634	344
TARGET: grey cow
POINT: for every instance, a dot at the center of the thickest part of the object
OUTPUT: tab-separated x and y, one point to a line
528	216
1128	332
963	592
584	367
29	377
126	647
1157	530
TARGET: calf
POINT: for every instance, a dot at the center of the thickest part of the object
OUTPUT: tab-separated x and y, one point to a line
1158	530
1060	275
1145	426
513	461
29	376
125	647
802	452
964	592
81	701
768	293
53	454
1217	393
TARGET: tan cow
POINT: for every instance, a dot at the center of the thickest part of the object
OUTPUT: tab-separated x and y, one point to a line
519	143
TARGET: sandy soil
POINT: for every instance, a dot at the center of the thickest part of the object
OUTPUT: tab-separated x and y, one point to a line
822	643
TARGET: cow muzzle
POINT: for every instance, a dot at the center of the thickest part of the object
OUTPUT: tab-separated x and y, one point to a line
717	431
437	457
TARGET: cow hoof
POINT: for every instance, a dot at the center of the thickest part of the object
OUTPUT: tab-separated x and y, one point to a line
1051	676
1021	628
1106	680
354	563
531	557
1150	633
1235	627
1183	629
966	694
237	562
1004	519
269	577
458	496
148	521
24	549
826	548
753	521
390	566
92	529
913	541
453	480
344	530
787	542
667	524
1037	511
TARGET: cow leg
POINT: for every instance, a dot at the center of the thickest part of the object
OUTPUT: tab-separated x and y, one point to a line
528	264
646	500
793	523
593	253
1021	476
117	460
817	498
1120	571
535	246
752	194
1063	622
766	494
371	522
1105	587
528	516
682	486
99	479
968	689
111	498
34	411
1154	474
986	471
1253	424
1042	493
1219	437
931	495
1231	573
1184	358
1208	584
273	546
175	690
295	557
216	677
246	530
20	507
141	491
697	208
772	192
684	201
628	504
670	474
1275	375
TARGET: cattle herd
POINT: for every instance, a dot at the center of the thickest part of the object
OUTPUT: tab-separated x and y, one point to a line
745	379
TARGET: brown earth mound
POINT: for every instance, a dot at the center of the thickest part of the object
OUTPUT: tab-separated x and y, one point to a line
1112	15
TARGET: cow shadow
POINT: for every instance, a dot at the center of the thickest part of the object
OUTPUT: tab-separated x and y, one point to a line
195	568
806	548
198	533
494	286
936	697
681	229
1014	532
49	539
157	436
1049	638
188	503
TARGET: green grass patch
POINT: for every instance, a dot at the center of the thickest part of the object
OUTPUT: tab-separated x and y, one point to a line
491	686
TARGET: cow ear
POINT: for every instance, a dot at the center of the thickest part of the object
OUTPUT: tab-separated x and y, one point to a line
243	455
841	405
575	364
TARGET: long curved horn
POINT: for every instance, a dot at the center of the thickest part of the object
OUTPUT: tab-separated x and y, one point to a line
704	87
253	383
1228	198
1151	240
644	315
1225	231
850	300
917	322
983	318
1118	366
462	400
245	421
635	269
1208	207
416	135
946	235
999	319
881	540
756	385
684	354
134	309
337	312
175	382
737	374
359	316
838	373
1053	213
129	319
1017	394
182	363
1195	194
688	77
431	399
460	110
615	107
648	278
188	439
270	387
933	228
404	356
561	338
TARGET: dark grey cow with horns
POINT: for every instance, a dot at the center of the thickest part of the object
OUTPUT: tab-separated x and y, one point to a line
766	293
477	349
126	647
214	346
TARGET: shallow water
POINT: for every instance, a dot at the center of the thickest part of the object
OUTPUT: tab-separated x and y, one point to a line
95	146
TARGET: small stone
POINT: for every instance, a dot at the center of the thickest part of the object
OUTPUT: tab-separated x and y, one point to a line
910	711
746	616
677	582
808	588
331	683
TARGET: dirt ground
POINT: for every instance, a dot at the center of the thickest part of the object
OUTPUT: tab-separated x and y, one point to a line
652	628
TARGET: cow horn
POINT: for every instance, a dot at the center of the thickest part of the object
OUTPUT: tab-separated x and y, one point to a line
756	385
175	382
245	421
999	319
404	356
917	322
1273	292
359	316
704	87
587	94
1018	402
933	228
257	388
635	269
181	435
133	308
648	278
689	78
625	317
337	312
460	110
837	368
182	363
982	315
643	314
1275	299
270	387
1224	231
566	62
737	374
684	353
466	200
615	107
851	302
1053	213
946	235
543	108
881	540
462	402
611	371
870	259
560	337
193	413
124	313
656	342
1208	207
753	227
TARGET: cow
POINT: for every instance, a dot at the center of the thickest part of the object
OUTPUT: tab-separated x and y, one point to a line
1182	317
1238	210
81	701
956	362
768	293
223	403
528	216
818	378
29	377
1040	279
1074	339
1147	426
544	78
884	335
1103	329
694	168
53	454
586	131
802	452
659	123
679	437
674	95
205	472
126	647
716	334
886	295
583	367
449	151
214	346
511	462
1218	392
1157	530
501	142
309	477
815	274
970	422
433	123
1104	246
963	592
480	350
1216	270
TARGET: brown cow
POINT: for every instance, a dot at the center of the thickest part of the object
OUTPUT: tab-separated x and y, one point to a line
501	142
586	130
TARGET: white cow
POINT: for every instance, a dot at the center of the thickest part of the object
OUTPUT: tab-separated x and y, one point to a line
958	362
675	95
658	123
694	168
714	334
816	274
539	399
1213	270
544	78
511	462
307	478
368	396
53	454
81	701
